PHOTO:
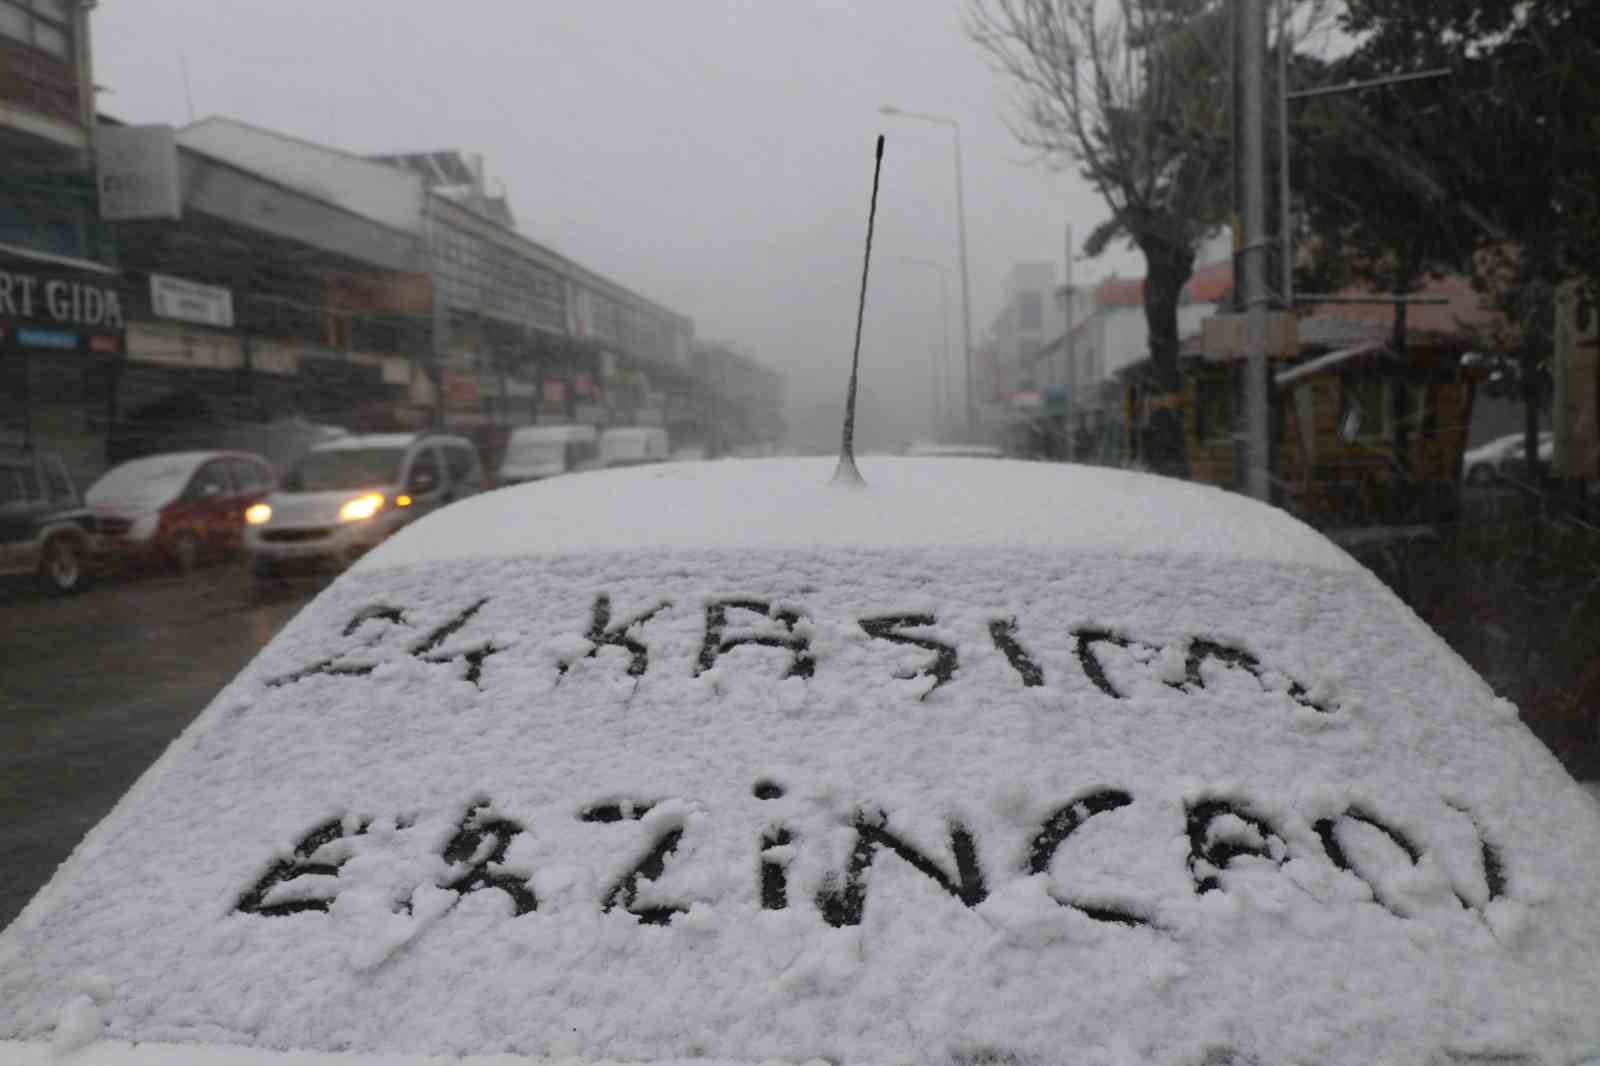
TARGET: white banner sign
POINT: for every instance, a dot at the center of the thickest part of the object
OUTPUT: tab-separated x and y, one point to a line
138	172
190	301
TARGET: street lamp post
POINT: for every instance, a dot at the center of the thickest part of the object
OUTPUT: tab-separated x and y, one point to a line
961	229
944	334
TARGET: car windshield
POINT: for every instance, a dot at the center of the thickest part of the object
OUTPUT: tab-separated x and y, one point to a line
337	469
159	477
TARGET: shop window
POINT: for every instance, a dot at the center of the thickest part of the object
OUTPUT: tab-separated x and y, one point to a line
45	24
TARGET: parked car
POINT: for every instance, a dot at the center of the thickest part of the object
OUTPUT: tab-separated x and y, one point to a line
1487	462
1513	463
534	452
45	530
180	508
345	496
988	762
930	450
632	445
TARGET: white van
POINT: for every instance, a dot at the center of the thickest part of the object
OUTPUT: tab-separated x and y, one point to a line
632	445
535	452
343	497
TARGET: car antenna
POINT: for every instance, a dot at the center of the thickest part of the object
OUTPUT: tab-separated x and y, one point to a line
846	473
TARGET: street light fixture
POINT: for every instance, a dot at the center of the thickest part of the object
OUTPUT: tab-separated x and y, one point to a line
944	332
961	229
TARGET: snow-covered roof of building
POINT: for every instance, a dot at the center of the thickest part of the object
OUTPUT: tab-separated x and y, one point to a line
1333	361
907	503
1209	283
714	761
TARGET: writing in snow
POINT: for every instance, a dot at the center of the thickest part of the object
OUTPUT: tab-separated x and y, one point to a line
1223	832
740	622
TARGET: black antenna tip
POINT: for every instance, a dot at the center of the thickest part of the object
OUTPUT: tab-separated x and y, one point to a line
846	472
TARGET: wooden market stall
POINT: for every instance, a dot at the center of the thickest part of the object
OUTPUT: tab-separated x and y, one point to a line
1358	434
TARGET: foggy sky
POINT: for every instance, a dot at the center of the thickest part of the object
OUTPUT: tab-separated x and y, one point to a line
714	155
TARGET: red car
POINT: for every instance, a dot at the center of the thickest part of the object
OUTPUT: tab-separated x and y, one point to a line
179	508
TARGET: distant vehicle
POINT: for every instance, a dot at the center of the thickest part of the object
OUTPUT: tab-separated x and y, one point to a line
180	508
987	764
347	495
632	445
926	449
535	452
1483	464
45	530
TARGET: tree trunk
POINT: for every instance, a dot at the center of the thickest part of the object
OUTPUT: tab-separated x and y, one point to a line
1168	267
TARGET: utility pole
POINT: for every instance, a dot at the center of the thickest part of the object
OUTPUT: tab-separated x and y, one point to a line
966	299
1250	44
1072	362
1285	230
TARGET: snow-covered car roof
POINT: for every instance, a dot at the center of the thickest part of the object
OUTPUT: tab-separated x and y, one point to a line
907	503
381	440
985	762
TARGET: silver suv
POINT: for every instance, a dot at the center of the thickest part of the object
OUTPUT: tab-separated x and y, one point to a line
344	497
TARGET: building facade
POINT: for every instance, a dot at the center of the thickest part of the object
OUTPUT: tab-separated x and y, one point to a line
741	402
61	302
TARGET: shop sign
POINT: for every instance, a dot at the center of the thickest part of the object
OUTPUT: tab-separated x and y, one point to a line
459	389
137	172
189	301
48	301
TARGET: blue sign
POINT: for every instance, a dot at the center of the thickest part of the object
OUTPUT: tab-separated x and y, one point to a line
48	338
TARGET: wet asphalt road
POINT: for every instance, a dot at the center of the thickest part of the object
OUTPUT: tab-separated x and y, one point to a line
94	687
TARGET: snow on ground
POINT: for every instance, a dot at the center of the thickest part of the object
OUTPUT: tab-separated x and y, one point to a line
870	804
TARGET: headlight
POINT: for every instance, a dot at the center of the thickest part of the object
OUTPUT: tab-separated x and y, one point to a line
144	527
361	508
258	514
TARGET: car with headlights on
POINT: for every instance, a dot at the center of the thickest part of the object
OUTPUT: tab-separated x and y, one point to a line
979	762
345	496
